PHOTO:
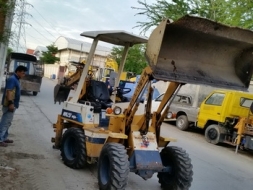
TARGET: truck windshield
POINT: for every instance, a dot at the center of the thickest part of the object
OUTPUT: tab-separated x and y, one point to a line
215	99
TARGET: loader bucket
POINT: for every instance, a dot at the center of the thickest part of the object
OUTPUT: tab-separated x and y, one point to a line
61	93
199	51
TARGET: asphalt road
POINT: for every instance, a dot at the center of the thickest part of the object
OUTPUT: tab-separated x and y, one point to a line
215	167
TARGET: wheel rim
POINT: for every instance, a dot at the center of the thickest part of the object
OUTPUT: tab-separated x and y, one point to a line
180	123
70	148
212	134
105	170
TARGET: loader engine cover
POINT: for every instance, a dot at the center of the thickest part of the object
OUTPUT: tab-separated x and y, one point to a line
200	51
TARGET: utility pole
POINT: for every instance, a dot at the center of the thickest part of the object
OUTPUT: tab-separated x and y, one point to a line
19	21
7	29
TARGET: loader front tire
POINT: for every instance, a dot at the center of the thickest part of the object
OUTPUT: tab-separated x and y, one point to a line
73	148
113	167
182	122
180	176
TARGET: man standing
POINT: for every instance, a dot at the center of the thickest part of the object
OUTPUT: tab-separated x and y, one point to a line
10	102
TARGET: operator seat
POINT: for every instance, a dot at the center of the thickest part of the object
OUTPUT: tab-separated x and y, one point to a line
98	93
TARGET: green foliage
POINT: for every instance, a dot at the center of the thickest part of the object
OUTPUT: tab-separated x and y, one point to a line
9	51
135	61
6	8
48	57
230	12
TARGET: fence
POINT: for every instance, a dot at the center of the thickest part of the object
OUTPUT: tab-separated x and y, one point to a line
50	69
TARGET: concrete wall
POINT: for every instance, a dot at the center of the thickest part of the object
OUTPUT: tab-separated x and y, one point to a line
50	69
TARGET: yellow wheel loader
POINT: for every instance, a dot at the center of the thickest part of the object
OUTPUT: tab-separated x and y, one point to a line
189	50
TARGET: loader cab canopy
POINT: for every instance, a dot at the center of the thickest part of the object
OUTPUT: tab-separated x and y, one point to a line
116	37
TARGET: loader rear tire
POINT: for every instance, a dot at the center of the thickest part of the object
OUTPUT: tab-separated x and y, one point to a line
181	173
35	93
113	167
182	122
73	148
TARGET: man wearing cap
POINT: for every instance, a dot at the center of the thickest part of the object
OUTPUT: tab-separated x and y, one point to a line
10	103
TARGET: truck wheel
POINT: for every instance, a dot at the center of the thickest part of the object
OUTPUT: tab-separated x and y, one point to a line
113	167
35	93
212	134
180	176
73	148
182	122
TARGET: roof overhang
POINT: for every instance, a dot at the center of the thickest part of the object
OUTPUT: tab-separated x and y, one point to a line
116	37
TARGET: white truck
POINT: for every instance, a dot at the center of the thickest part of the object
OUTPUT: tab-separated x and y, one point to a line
185	105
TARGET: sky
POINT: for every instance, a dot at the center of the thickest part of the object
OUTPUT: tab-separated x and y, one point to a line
46	20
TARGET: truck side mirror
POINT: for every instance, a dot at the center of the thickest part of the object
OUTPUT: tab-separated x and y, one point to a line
251	107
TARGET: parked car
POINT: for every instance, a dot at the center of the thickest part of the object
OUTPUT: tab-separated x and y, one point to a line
181	110
131	86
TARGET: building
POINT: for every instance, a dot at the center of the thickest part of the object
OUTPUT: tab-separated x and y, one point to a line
72	50
38	51
75	50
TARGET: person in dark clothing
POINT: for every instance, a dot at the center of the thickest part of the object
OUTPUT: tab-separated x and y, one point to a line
10	103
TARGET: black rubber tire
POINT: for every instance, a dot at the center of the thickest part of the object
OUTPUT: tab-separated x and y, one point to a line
181	174
212	134
113	167
35	93
73	148
182	122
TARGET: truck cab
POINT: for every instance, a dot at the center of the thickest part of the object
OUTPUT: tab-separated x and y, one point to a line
220	112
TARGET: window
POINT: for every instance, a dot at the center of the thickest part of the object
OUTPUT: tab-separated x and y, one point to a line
215	99
245	102
22	63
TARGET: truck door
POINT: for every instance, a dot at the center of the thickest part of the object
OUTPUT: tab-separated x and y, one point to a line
211	109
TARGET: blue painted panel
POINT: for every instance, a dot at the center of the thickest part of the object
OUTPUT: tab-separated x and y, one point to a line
95	140
72	115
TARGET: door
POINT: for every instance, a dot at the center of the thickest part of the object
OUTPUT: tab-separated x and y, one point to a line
211	109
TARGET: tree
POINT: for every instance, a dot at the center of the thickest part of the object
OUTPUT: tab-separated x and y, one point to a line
48	57
6	9
9	51
230	12
135	61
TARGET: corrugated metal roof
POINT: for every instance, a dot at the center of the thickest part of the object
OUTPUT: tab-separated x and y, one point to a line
83	46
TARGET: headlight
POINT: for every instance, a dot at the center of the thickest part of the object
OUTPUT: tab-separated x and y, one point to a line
117	110
169	115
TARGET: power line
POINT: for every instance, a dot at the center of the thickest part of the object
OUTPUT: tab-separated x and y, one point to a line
41	34
46	20
43	27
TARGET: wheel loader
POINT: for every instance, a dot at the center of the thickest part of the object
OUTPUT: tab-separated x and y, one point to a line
188	50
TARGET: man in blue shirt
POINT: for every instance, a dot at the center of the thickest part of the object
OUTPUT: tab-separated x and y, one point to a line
10	102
